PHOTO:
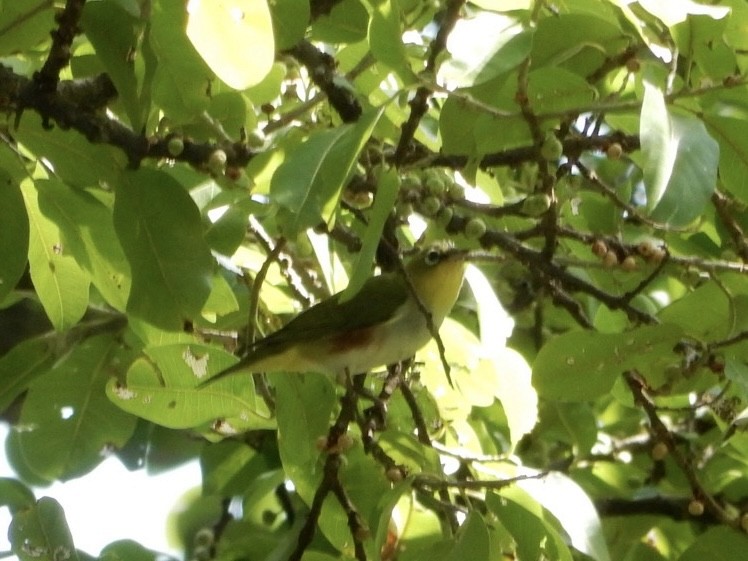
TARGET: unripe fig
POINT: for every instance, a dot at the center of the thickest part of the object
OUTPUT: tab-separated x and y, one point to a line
659	451
629	263
175	146
431	205
614	151
444	216
599	248
475	228
610	259
695	508
537	204
552	148
217	161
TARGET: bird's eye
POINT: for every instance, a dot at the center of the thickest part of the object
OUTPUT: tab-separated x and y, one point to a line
432	257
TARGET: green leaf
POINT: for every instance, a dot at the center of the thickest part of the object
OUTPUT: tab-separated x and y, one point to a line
75	160
113	33
717	544
21	364
681	161
163	390
733	152
161	234
583	365
24	25
534	537
181	76
128	550
388	185
482	48
290	20
88	234
471	541
304	406
309	181
223	31
71	423
60	282
347	22
228	465
14	235
41	533
571	506
386	35
15	495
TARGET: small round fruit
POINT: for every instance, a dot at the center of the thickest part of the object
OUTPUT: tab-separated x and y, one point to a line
217	161
431	205
345	443
610	259
456	191
744	522
657	256
395	474
256	139
204	537
633	64
646	248
552	148
629	263
536	205
410	181
435	185
614	151
321	443
475	228
695	508
175	146
444	216
599	248
659	451
403	209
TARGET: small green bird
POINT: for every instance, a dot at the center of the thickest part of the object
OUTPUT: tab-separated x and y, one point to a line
382	324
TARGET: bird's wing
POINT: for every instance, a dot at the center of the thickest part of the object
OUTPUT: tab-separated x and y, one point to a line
376	302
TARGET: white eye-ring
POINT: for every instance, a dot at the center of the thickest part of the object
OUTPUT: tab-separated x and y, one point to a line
432	257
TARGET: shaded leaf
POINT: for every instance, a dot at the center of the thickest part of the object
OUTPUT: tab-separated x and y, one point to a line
583	365
309	181
681	161
161	234
14	235
388	185
41	533
304	405
70	425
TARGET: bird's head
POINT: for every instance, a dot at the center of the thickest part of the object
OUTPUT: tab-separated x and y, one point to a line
436	273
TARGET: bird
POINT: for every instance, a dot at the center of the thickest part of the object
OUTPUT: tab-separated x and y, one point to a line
381	324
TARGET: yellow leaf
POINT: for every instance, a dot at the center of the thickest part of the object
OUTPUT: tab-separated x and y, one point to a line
234	37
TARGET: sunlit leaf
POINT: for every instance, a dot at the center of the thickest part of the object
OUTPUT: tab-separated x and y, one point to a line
225	32
681	166
583	365
60	282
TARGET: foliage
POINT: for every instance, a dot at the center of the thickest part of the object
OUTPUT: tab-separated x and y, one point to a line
172	177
